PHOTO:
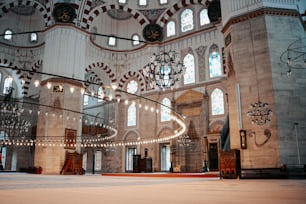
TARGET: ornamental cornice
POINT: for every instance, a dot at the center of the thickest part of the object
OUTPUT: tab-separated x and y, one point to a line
257	13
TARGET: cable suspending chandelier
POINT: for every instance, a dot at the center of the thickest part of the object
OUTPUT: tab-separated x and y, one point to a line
164	70
295	55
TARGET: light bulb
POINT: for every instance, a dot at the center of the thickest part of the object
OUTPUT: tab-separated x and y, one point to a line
49	85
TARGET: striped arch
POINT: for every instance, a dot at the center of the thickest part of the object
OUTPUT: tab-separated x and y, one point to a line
93	77
44	10
89	15
15	74
28	76
127	76
162	21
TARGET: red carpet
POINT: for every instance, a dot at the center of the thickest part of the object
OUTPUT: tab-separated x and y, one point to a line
167	175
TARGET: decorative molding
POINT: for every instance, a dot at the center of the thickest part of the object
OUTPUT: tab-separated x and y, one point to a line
257	13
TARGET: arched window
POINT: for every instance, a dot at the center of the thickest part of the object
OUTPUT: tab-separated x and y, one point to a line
33	37
170	28
132	87
142	2
8	82
135	40
8	35
100	94
131	116
187	20
214	62
122	1
204	19
165	110
189	76
217	102
112	41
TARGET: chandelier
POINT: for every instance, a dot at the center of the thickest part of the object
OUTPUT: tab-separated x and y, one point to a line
295	56
164	70
11	122
260	113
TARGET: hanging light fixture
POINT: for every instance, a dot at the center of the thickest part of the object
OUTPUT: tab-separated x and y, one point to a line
11	121
259	112
295	56
164	70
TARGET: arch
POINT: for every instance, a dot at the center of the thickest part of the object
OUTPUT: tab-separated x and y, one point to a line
88	19
164	131
93	77
125	78
216	126
45	11
128	136
187	20
189	62
15	73
214	61
217	102
104	68
162	21
28	76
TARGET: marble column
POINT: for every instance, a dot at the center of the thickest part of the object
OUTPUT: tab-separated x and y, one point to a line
59	125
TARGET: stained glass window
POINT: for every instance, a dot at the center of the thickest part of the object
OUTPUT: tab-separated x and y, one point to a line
170	28
204	19
165	110
131	119
189	76
187	20
214	62
132	87
217	102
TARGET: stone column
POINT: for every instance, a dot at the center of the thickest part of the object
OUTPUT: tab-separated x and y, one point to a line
59	126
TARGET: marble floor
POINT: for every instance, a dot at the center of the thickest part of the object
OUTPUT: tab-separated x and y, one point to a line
22	188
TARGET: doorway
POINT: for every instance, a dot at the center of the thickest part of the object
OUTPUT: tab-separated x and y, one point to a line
130	151
213	157
165	162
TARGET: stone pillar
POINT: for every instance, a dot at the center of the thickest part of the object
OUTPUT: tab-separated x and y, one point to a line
59	126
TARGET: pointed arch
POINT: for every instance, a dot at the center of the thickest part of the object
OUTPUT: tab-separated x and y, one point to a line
45	11
214	62
189	62
95	12
167	14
